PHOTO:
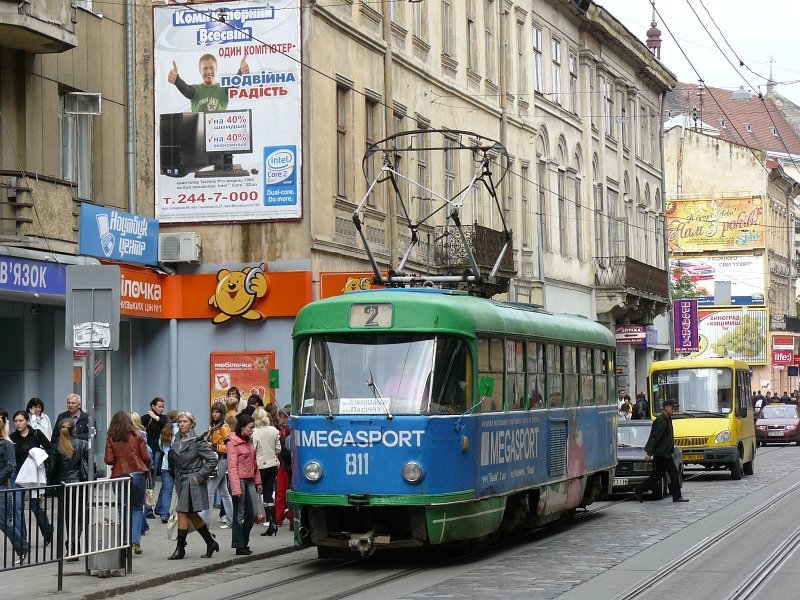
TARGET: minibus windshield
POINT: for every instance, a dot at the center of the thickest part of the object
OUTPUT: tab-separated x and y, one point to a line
700	392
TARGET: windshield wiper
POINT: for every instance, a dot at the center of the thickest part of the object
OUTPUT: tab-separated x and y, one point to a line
326	389
705	413
376	392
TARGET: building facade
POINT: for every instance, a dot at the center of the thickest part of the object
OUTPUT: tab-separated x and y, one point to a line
732	226
572	96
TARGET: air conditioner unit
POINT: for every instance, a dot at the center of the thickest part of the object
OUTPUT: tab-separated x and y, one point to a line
179	247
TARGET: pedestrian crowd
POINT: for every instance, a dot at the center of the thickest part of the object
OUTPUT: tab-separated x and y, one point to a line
628	409
761	400
240	464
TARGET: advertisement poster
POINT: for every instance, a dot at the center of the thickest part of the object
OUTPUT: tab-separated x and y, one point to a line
248	371
687	336
227	111
701	274
733	333
730	224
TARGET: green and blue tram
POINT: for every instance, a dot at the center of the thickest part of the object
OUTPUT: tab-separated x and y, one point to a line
424	416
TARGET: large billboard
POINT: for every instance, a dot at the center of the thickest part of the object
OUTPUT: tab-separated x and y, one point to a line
733	333
719	280
227	111
727	224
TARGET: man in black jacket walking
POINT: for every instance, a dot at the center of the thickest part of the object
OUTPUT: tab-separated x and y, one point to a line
659	448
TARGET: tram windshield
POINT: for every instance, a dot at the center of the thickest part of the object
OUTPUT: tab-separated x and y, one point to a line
700	392
381	375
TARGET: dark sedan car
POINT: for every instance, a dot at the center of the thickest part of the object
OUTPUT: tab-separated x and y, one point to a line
631	467
778	423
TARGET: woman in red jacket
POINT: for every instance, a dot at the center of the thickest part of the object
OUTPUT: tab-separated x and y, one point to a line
245	482
126	452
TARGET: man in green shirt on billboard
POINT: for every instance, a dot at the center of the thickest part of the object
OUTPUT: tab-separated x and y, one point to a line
207	96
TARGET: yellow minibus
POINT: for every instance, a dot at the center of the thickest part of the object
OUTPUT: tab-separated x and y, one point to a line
713	424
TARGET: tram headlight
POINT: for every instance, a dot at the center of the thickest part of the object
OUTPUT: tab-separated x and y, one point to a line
313	471
412	472
722	437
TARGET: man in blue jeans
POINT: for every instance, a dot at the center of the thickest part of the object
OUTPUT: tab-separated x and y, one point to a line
153	422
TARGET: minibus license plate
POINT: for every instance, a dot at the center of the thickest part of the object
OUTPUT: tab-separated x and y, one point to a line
692	457
620	481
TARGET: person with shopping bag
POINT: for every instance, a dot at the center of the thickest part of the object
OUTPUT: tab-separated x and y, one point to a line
192	461
126	452
25	438
245	480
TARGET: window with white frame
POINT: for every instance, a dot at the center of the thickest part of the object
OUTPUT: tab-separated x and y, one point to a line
491	58
447	29
522	60
525	177
472	37
573	82
541	184
342	97
556	58
370	137
449	169
599	220
592	100
537	59
422	193
608	97
578	220
563	246
420	20
76	145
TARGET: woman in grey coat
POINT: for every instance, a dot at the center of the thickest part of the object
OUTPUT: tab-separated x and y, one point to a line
192	460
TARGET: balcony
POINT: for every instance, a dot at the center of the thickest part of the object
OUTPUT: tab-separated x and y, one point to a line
38	26
451	256
627	288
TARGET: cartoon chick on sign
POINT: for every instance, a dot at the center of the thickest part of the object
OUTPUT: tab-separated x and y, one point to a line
236	293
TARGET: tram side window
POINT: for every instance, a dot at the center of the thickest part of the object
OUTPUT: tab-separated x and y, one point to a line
587	376
570	376
601	376
535	375
515	363
554	377
490	364
451	383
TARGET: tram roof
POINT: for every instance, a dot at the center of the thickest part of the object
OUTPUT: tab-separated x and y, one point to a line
418	310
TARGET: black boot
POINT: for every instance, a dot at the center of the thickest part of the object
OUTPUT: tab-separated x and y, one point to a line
180	549
211	544
272	529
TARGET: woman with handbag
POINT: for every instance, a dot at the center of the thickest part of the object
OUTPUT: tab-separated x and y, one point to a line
71	457
11	522
25	438
268	445
245	481
192	461
217	435
126	452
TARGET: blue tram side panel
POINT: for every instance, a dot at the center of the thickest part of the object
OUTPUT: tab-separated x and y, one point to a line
489	453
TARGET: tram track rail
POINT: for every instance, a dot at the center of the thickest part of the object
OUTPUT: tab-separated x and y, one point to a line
659	576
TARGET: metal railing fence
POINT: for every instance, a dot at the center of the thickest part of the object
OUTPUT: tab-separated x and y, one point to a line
66	522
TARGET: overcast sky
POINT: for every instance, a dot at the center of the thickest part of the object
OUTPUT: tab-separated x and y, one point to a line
756	31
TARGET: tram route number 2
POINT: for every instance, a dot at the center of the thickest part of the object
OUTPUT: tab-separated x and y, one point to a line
356	463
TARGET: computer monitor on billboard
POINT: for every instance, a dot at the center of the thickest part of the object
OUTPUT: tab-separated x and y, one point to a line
205	143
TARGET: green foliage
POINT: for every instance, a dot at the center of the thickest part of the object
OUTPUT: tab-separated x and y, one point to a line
682	285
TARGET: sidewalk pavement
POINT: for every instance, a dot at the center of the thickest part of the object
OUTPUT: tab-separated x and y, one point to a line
150	569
